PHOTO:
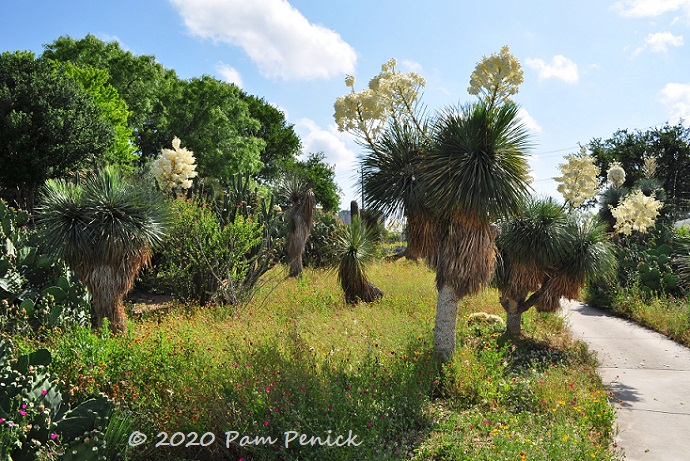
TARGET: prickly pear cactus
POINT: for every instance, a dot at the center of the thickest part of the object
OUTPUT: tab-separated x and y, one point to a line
90	446
32	414
35	289
656	273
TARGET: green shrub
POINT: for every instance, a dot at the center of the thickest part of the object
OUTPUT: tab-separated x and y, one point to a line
320	250
35	420
651	262
36	290
205	261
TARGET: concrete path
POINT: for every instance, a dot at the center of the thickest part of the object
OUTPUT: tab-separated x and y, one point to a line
649	376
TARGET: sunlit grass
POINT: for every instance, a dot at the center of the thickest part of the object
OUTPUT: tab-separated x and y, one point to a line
297	358
663	313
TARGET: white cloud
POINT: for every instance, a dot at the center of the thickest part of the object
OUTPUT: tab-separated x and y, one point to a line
275	35
560	67
660	41
338	150
676	96
229	74
650	8
330	141
412	66
529	121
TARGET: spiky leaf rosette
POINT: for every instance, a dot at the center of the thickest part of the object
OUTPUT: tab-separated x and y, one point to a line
105	229
591	258
355	248
390	169
478	166
530	244
391	182
539	235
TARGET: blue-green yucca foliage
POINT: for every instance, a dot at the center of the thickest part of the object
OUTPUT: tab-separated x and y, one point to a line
105	228
355	248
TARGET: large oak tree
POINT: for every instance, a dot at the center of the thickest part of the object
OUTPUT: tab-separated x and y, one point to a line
49	126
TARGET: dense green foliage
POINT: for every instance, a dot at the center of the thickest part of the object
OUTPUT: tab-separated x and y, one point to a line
228	130
36	290
141	81
204	260
669	145
38	424
299	359
650	264
222	240
319	252
113	109
320	177
282	145
212	120
49	126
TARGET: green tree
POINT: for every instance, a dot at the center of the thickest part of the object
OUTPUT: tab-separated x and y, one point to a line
475	174
320	177
105	229
209	116
113	109
546	253
668	145
141	81
282	143
49	126
211	119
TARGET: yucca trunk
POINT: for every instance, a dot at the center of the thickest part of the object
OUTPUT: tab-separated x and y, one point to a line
302	219
522	279
108	285
446	323
513	316
422	229
358	288
466	258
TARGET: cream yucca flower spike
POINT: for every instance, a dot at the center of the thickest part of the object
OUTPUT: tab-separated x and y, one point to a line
616	174
364	113
637	212
650	166
579	181
174	167
497	77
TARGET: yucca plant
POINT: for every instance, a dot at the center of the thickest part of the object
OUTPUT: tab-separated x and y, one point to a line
391	182
530	244
546	255
299	197
355	249
475	173
105	229
611	198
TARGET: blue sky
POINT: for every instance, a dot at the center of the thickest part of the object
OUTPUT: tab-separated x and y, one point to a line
590	67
